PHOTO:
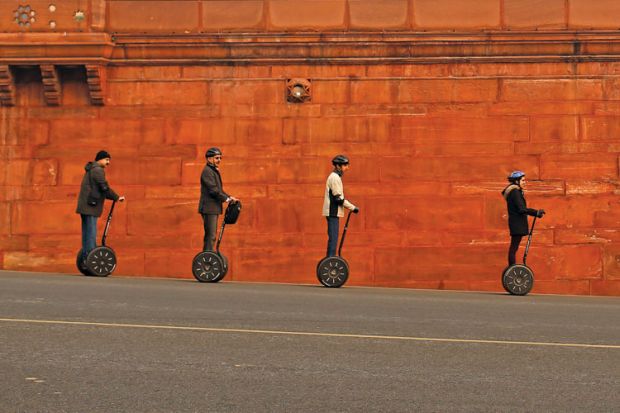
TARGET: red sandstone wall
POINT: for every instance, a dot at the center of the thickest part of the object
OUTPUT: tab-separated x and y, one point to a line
431	143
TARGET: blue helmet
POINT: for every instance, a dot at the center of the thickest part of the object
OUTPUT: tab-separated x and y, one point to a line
516	175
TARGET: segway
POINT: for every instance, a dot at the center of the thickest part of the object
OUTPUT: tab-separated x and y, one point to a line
212	266
101	261
333	272
518	279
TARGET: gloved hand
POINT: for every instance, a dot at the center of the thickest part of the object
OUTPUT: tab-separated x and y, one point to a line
356	210
540	213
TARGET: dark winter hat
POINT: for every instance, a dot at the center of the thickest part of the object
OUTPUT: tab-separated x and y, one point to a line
102	155
213	152
340	160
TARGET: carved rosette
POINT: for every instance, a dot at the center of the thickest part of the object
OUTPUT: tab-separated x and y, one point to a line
95	76
51	85
7	87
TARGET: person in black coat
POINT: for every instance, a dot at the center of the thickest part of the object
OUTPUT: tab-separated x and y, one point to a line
94	190
212	196
517	212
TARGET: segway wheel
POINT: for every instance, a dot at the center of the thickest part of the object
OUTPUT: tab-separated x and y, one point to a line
208	267
503	278
332	272
101	261
225	266
518	279
81	264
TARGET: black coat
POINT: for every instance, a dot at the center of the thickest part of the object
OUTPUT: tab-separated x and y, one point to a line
212	194
517	210
95	185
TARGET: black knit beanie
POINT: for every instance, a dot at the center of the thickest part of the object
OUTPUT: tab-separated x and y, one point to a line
102	155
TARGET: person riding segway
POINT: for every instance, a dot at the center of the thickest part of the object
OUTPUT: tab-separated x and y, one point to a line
518	279
209	265
94	190
333	270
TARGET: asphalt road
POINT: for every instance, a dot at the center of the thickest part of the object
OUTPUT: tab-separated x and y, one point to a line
83	344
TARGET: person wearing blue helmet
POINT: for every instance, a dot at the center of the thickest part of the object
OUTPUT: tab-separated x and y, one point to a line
517	212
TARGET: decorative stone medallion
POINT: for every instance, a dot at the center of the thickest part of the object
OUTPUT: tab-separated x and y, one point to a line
24	16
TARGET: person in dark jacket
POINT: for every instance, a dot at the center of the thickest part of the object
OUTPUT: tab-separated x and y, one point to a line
212	196
94	190
517	212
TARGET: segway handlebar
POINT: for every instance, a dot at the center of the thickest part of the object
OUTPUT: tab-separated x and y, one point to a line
107	224
529	240
344	232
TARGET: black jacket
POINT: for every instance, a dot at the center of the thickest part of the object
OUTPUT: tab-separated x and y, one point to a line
95	185
211	193
517	210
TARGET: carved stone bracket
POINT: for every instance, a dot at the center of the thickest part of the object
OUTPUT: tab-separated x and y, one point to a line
95	76
51	85
7	87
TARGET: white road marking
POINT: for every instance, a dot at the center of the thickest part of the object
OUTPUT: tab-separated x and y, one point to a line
311	334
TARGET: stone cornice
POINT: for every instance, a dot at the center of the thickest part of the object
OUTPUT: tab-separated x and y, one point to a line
309	48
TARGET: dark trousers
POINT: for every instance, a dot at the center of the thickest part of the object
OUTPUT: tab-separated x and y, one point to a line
89	234
210	226
333	227
515	240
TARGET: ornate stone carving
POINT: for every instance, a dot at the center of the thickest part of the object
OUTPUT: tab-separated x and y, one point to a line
51	85
7	87
298	91
95	76
24	16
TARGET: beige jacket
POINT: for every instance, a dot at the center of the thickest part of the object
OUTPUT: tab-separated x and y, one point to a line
334	201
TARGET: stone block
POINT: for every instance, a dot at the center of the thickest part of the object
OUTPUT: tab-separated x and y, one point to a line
456	14
144	171
227	92
13	242
569	287
303	15
152	93
447	129
276	264
403	265
552	89
331	91
153	16
550	14
600	128
5	218
379	14
579	166
96	133
212	131
579	262
259	131
50	217
554	128
396	169
602	14
605	287
232	15
164	263
40	261
423	213
162	217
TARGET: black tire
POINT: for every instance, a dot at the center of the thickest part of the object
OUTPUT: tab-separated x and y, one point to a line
81	265
225	266
332	272
101	261
518	279
208	267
